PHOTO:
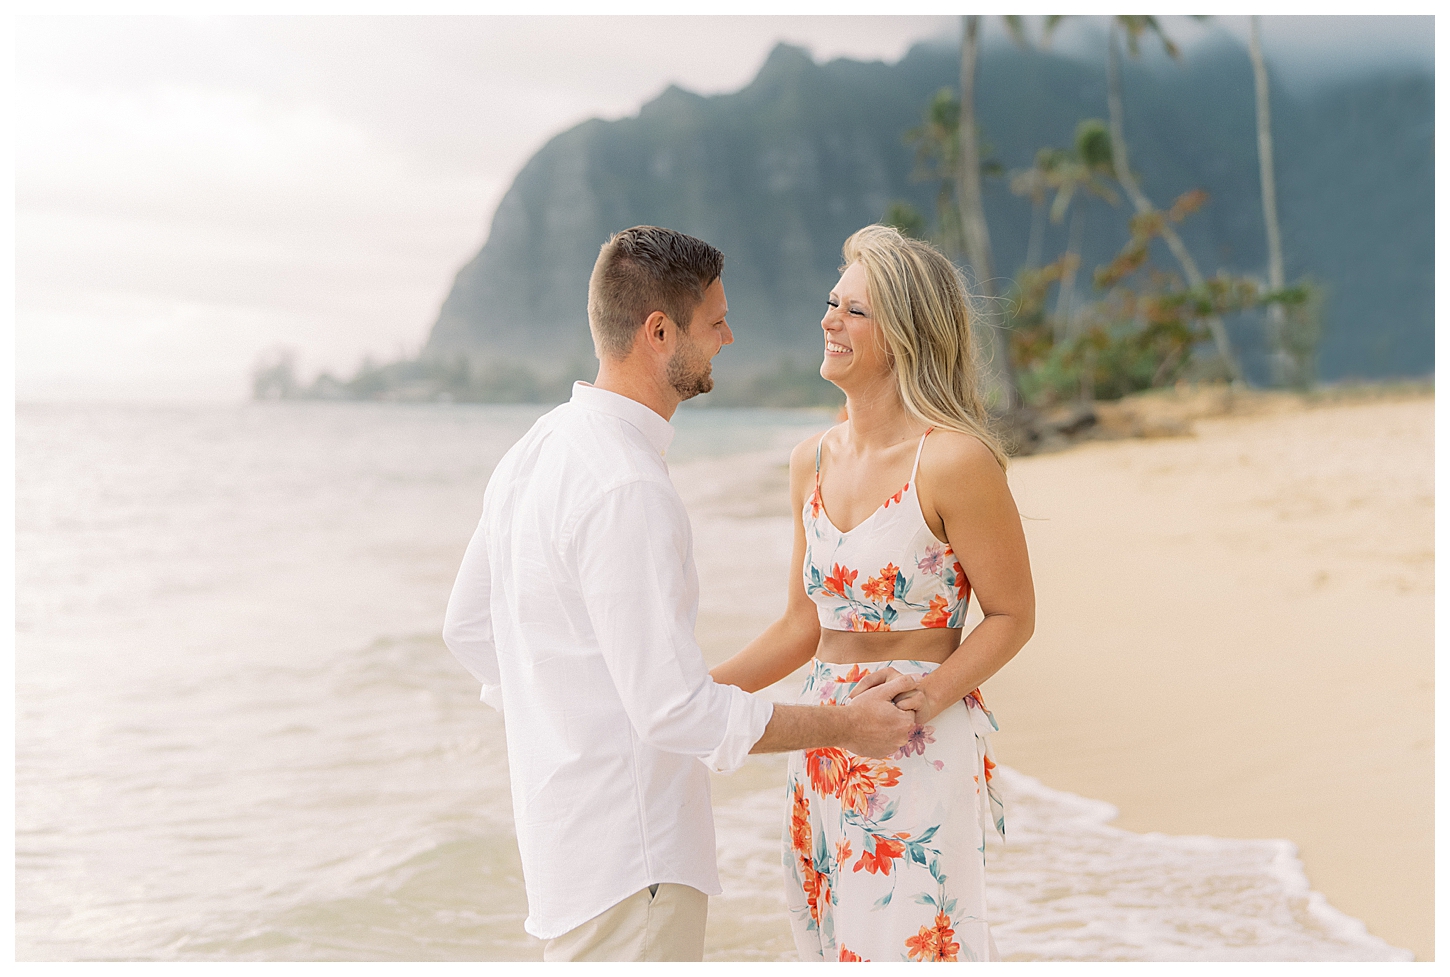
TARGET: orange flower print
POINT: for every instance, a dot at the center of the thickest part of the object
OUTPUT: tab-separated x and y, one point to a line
977	694
934	943
839	580
879	860
847	956
856	674
884	586
859	623
936	615
964	588
815	503
827	769
800	825
843	851
818	892
897	497
861	779
988	766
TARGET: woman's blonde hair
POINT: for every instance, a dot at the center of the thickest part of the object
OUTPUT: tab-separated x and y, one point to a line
924	313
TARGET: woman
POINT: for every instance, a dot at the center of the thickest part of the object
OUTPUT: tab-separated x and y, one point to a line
885	857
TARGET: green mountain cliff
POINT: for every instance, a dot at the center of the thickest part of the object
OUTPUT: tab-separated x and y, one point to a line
779	173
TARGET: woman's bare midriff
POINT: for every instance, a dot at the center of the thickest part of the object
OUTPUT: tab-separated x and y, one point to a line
852	647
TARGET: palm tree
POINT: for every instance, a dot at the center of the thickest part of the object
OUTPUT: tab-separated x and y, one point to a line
1032	183
938	148
973	217
1067	173
1091	159
1279	358
1133	27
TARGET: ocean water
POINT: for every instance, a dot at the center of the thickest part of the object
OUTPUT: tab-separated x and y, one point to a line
239	736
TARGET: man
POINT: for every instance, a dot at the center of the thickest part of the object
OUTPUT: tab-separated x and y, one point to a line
575	608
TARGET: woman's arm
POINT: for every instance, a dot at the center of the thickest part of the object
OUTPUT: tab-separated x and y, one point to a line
790	642
962	483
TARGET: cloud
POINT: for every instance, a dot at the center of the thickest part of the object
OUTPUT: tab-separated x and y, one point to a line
190	191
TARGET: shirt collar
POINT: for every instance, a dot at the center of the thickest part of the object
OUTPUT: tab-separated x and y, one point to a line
658	431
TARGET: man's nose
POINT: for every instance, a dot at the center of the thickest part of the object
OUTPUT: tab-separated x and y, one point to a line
726	336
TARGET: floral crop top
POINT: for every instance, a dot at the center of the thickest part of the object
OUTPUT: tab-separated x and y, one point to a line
911	581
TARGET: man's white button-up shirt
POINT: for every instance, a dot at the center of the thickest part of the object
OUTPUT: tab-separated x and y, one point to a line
575	607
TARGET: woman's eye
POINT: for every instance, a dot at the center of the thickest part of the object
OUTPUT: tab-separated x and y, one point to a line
858	312
832	304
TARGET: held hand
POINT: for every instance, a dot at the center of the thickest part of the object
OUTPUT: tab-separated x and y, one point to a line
916	700
878	727
874	679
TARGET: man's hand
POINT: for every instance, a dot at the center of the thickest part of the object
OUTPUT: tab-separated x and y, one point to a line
878	728
914	699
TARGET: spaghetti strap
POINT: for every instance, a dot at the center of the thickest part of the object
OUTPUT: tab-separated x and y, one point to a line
914	465
818	460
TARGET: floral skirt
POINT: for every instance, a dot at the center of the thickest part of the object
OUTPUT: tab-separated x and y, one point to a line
886	859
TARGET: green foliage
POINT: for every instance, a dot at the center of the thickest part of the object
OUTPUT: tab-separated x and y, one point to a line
1087	167
446	378
1137	25
1303	326
1144	327
937	141
1094	145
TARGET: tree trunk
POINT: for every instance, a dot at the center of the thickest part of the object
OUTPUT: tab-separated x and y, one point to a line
1142	204
1066	284
973	218
1279	358
1036	233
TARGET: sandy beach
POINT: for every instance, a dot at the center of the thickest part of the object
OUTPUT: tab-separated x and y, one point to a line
1235	637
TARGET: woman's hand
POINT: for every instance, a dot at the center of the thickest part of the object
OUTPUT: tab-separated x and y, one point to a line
914	700
919	702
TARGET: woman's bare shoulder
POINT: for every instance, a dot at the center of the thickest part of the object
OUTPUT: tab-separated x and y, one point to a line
955	457
803	455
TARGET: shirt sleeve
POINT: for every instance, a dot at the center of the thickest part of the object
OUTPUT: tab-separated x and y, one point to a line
468	622
632	550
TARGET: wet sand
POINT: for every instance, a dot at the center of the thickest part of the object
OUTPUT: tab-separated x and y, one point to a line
1235	636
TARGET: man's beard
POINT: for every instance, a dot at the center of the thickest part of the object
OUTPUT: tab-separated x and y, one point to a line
690	377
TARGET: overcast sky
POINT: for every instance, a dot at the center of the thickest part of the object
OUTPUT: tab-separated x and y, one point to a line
191	192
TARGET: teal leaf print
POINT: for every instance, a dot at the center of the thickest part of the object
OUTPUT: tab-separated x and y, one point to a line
823	857
959	615
889	614
884	901
901	585
925	899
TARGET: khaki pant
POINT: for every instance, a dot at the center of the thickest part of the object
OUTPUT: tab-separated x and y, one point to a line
662	922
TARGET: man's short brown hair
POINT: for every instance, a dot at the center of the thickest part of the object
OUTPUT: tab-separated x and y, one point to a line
642	270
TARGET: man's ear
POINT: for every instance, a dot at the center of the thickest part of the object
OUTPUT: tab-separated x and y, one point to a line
657	330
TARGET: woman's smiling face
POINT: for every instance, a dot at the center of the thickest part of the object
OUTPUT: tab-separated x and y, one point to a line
854	352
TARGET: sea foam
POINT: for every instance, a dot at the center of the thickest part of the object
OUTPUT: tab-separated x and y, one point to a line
1068	886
